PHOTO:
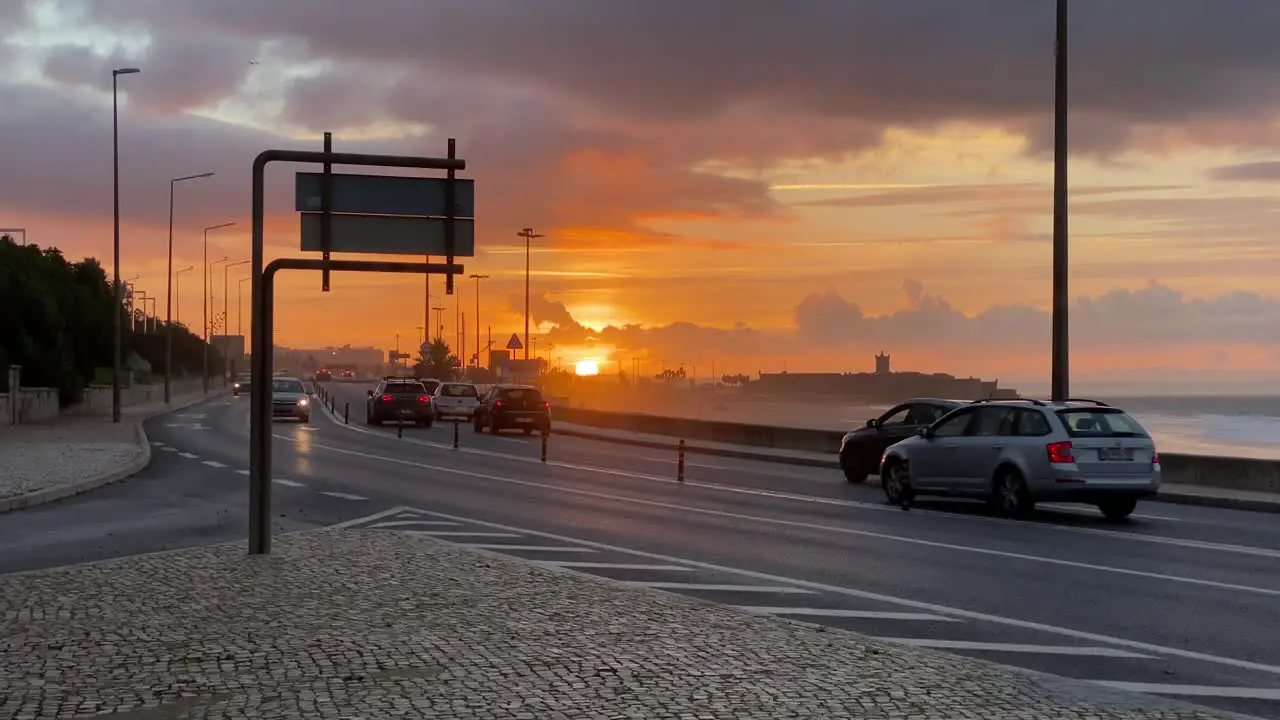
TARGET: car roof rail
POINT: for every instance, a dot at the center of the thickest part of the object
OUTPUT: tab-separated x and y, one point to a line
1099	403
1033	401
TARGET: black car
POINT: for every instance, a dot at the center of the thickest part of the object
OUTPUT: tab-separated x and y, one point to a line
513	407
241	384
861	449
401	400
323	376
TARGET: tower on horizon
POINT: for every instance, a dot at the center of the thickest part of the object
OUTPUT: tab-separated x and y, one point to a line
882	363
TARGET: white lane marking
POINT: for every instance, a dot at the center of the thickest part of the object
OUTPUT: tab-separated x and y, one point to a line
569	564
778	589
343	496
1094	513
157	444
841	613
673	461
528	548
400	511
1015	648
815	526
242	472
166	448
407	523
189	456
214	464
460	533
194	416
880	597
1216	691
876	507
287	483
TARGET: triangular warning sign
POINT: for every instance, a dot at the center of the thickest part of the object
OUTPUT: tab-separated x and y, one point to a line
514	343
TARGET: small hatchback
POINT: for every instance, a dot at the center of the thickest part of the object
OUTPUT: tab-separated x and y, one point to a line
1014	453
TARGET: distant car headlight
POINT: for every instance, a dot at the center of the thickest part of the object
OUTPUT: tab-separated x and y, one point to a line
303	402
236	386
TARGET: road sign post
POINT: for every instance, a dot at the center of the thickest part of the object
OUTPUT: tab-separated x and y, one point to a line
335	231
514	343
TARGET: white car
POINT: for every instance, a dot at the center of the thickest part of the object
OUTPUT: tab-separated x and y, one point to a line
455	400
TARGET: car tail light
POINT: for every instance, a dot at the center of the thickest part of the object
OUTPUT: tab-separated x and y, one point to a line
423	398
387	398
498	404
1155	457
1060	453
546	405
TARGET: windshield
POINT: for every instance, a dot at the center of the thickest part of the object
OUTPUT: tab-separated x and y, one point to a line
1096	422
404	388
528	395
459	391
287	385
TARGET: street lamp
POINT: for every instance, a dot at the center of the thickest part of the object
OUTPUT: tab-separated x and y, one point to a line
226	318
528	234
1059	352
168	303
439	322
239	302
115	243
205	382
133	322
177	307
478	278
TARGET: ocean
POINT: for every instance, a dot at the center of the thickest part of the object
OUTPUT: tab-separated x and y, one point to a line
1233	426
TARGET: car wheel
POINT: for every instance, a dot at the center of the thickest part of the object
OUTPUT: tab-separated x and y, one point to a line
1010	495
894	479
427	423
493	426
1118	509
477	425
855	472
305	419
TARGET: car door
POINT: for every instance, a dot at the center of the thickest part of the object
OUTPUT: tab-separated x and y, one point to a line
981	447
933	459
891	427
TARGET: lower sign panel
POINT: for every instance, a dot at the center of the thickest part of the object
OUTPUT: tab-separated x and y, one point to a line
389	235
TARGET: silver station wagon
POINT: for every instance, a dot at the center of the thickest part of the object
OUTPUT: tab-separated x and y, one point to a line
1014	453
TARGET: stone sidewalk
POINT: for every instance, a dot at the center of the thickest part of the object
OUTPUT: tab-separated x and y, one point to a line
43	462
378	624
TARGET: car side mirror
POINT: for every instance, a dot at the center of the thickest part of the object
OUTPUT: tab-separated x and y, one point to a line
370	393
925	432
873	423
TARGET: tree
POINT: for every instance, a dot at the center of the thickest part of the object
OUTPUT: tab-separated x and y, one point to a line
437	362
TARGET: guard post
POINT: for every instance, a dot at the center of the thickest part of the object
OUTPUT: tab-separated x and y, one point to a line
368	214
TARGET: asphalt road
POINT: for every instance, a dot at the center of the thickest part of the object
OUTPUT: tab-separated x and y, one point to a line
1180	601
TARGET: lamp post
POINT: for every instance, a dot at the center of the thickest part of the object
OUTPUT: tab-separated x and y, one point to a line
226	318
205	379
239	302
528	234
168	303
478	278
177	309
115	242
439	322
1060	355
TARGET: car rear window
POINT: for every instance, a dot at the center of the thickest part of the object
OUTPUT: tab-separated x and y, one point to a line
527	395
287	386
450	390
406	388
1093	422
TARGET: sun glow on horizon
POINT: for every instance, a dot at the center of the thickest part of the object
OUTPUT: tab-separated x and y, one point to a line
587	367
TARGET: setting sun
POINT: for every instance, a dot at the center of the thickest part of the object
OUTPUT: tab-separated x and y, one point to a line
587	367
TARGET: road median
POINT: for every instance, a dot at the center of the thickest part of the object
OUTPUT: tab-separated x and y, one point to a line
376	623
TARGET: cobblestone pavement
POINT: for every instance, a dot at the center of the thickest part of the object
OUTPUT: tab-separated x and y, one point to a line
376	624
72	448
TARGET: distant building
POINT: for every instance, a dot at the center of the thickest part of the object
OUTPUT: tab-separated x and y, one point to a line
883	385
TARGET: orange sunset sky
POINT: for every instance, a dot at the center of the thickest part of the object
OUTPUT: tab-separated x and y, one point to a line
758	184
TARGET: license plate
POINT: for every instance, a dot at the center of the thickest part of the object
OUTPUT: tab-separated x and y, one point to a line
406	412
1115	454
524	420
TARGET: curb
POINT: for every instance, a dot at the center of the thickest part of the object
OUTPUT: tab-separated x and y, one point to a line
1177	498
132	467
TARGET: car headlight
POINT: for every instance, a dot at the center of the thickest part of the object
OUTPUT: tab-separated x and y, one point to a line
236	385
303	402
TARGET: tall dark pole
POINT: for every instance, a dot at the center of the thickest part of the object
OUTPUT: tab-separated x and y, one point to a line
115	243
204	384
528	234
226	317
1061	298
168	303
478	278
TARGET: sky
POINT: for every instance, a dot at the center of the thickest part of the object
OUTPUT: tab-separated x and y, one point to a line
753	185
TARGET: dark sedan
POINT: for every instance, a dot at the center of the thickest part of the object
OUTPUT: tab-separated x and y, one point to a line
513	407
860	450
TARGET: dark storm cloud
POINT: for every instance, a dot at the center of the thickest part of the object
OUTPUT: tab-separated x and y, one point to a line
902	62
